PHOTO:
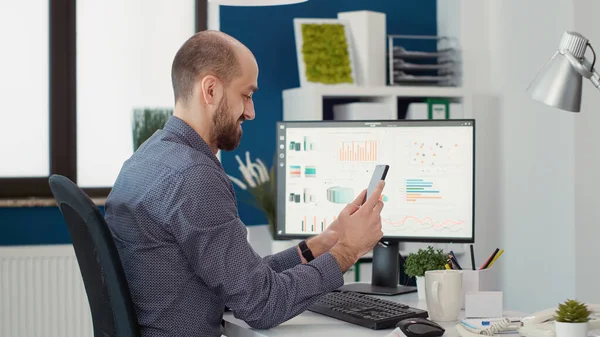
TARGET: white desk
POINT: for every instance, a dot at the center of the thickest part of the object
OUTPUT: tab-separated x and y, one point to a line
317	325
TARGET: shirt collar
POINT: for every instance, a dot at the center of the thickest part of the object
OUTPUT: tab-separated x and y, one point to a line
189	135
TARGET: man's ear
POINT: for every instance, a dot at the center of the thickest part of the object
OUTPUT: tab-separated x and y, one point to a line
210	89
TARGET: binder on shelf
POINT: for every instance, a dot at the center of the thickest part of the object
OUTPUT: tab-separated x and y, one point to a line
438	108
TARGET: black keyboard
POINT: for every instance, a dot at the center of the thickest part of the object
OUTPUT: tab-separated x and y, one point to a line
364	310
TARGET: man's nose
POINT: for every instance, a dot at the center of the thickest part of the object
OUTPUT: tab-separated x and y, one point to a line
249	112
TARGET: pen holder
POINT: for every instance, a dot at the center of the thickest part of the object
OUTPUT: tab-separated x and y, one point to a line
477	280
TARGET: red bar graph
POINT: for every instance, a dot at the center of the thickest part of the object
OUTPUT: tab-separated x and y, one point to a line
311	225
360	151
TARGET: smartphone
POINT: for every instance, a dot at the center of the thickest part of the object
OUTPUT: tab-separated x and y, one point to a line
378	174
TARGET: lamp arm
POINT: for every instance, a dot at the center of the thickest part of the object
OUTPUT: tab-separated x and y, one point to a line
595	79
584	67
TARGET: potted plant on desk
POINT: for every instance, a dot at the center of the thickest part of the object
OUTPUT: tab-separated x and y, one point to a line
571	319
417	264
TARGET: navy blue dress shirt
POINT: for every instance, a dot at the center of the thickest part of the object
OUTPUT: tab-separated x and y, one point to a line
174	218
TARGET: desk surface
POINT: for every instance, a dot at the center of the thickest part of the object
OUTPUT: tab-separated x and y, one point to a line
316	325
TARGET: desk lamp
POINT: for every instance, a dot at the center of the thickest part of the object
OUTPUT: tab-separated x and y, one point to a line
255	2
558	84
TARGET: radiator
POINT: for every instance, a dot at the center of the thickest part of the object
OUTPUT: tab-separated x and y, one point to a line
42	293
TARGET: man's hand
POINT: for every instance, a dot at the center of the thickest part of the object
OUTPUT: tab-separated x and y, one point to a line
361	229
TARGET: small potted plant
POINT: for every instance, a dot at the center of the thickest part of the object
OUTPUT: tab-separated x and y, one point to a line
417	264
571	319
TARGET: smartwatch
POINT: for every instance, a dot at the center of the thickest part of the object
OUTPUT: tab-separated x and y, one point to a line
308	255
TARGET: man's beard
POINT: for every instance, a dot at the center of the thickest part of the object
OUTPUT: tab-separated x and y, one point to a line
226	134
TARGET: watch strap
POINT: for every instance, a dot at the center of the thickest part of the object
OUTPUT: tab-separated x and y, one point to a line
306	252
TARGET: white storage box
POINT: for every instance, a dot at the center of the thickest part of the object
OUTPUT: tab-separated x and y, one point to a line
363	111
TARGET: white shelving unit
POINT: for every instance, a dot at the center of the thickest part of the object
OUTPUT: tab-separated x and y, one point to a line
306	103
468	21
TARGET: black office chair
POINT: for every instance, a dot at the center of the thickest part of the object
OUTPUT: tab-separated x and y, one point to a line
112	308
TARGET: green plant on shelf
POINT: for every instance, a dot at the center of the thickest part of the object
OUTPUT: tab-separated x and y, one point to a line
146	121
572	311
325	52
417	264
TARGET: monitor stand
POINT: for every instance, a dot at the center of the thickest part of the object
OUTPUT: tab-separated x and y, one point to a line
386	271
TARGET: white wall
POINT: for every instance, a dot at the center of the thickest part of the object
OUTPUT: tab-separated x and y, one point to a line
537	158
214	19
525	197
469	21
214	23
587	166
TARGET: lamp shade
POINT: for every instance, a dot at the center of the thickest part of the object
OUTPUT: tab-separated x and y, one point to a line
558	84
255	2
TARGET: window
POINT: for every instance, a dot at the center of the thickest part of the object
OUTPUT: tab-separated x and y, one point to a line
80	89
24	122
120	67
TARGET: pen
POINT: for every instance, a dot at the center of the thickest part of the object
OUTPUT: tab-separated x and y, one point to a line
487	262
496	257
455	260
472	258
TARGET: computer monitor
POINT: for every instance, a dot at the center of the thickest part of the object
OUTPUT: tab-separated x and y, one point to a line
429	192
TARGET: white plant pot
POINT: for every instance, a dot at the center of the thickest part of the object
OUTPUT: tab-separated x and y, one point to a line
421	287
565	329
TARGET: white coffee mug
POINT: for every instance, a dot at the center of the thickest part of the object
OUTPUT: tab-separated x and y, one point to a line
442	293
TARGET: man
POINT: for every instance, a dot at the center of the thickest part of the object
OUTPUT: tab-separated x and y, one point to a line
174	216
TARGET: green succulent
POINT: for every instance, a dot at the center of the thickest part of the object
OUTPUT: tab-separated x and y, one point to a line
146	121
424	260
572	311
325	52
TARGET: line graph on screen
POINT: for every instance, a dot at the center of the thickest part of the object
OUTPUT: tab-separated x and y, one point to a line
416	223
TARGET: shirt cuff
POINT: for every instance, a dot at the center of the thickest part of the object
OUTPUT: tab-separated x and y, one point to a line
330	270
288	258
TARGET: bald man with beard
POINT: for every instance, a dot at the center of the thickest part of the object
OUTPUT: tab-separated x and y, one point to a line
174	219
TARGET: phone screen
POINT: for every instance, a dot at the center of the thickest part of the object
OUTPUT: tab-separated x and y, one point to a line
378	174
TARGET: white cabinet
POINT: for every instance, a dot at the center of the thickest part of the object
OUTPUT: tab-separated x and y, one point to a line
316	102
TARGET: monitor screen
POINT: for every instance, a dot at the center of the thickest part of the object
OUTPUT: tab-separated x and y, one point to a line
429	191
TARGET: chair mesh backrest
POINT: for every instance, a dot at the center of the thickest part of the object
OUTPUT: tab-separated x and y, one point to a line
108	294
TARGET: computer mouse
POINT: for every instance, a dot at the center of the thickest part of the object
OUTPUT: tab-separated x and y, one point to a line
420	327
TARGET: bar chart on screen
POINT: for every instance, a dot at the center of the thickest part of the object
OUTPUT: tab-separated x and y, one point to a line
304	143
315	224
358	151
417	189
